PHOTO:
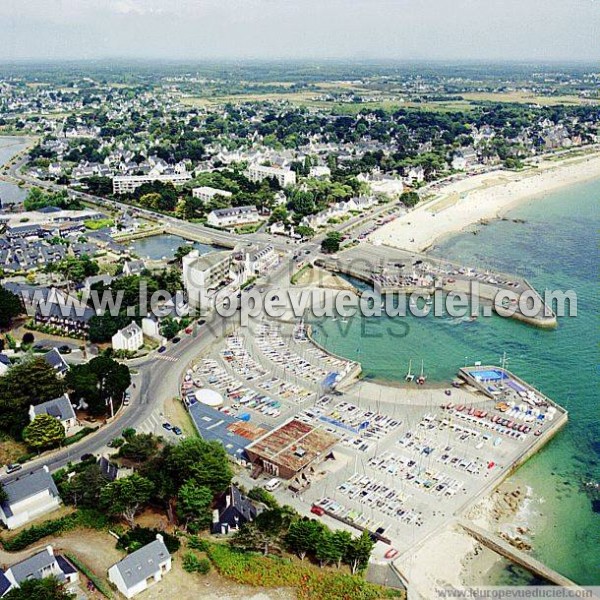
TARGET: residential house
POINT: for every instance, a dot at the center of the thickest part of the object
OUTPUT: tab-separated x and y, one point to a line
39	566
130	338
141	569
4	364
259	259
55	360
133	267
232	511
228	217
29	497
60	408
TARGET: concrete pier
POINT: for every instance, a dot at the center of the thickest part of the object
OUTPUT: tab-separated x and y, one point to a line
502	547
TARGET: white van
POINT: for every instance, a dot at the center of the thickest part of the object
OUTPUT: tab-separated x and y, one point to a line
272	484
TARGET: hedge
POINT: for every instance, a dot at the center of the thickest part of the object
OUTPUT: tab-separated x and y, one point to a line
98	583
86	518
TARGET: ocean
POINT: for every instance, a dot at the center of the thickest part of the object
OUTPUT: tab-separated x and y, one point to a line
555	247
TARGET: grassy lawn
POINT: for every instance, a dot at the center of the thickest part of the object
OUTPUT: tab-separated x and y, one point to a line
308	580
10	450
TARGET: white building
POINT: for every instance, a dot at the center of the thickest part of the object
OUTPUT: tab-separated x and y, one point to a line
206	194
59	408
29	497
126	184
259	259
39	566
4	364
141	569
204	275
130	338
319	172
228	217
284	177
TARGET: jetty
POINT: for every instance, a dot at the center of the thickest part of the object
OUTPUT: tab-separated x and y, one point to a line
504	548
393	271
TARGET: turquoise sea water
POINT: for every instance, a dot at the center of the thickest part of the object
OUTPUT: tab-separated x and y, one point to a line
556	248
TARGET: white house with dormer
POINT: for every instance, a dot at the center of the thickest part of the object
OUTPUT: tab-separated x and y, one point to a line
130	338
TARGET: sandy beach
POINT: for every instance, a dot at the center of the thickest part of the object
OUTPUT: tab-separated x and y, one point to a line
454	559
482	198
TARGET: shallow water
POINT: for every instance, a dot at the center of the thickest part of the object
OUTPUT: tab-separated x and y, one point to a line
556	248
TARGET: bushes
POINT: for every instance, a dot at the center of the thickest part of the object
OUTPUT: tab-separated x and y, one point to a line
197	543
140	536
73	439
82	518
308	581
35	533
193	564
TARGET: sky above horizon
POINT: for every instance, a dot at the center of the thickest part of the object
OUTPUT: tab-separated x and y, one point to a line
532	30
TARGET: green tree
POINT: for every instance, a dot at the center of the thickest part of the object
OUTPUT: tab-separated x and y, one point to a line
139	447
303	536
98	382
259	494
10	307
409	199
358	552
124	497
182	251
204	462
326	551
331	243
170	328
32	381
84	488
44	432
193	505
40	589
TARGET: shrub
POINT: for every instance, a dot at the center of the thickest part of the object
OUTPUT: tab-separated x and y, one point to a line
192	564
197	543
140	536
86	518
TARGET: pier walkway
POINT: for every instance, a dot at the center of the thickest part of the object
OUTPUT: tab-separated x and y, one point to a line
502	547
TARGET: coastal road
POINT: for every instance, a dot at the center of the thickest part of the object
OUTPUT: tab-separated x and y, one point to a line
156	378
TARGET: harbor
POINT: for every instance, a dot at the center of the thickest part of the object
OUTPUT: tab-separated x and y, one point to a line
404	463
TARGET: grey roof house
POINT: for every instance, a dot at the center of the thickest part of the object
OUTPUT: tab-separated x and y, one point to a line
39	566
60	408
29	497
141	569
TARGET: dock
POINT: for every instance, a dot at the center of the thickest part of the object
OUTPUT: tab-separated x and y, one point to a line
393	271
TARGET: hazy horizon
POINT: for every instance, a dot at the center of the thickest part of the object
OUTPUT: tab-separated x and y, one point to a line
401	30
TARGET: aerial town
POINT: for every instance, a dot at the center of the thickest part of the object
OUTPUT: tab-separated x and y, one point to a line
155	444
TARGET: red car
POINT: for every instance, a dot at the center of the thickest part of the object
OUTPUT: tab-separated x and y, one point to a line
391	553
317	510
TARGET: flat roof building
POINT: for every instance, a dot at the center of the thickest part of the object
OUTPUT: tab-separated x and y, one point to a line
284	177
206	193
126	184
292	449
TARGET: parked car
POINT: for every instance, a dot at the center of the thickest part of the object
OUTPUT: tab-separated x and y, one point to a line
167	426
13	468
162	349
177	431
317	510
391	553
176	340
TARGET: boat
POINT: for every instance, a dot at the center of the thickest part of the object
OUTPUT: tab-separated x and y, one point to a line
421	378
409	375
